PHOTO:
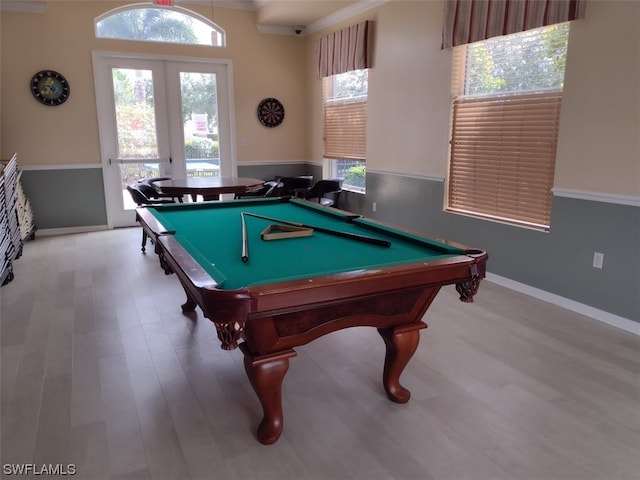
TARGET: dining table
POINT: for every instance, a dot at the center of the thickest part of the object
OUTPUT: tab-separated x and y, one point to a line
209	188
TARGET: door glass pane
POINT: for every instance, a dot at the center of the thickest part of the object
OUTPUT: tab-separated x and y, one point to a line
200	119
135	113
135	127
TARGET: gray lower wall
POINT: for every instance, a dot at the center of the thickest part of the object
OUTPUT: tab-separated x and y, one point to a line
74	197
559	261
66	198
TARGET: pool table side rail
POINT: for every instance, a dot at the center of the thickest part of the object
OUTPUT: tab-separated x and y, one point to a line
285	296
337	286
440	244
319	208
150	223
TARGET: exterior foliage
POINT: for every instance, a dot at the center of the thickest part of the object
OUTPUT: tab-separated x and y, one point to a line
151	24
527	61
201	147
352	84
199	95
355	176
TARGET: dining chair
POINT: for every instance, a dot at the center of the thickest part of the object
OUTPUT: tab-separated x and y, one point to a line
325	192
142	195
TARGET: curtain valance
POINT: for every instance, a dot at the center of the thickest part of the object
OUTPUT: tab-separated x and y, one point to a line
345	50
467	21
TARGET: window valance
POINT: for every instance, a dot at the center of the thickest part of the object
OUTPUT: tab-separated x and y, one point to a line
467	21
345	50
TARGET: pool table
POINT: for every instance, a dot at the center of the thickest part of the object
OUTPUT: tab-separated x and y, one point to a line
289	291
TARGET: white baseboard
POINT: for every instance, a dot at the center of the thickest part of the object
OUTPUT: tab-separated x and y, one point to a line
591	312
69	230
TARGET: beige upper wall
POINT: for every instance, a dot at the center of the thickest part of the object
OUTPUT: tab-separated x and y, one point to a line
63	39
414	75
408	123
599	146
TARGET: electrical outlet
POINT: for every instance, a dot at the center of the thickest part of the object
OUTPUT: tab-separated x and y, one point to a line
374	206
598	259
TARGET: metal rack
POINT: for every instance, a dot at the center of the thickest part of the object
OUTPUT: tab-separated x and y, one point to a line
16	218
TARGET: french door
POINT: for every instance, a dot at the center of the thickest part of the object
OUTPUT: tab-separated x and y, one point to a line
160	117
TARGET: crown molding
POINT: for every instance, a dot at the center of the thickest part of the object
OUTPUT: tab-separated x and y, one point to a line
40	6
344	14
280	30
28	6
234	4
328	21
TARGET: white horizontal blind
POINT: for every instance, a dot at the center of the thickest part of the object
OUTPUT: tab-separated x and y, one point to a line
345	125
503	157
506	109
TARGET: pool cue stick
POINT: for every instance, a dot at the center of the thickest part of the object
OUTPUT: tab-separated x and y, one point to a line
338	233
245	240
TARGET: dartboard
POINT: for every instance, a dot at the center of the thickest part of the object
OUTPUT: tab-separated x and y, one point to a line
270	112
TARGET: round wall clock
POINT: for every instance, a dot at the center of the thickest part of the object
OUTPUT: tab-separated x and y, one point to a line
270	112
50	88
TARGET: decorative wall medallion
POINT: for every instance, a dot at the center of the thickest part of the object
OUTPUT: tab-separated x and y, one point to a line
50	88
270	112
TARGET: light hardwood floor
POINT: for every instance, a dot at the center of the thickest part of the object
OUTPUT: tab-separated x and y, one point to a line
100	369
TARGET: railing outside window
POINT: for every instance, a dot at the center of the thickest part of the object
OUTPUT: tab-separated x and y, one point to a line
352	173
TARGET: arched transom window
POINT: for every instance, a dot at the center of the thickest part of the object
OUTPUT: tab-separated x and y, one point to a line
146	22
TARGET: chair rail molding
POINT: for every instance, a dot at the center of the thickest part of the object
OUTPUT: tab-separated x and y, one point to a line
633	201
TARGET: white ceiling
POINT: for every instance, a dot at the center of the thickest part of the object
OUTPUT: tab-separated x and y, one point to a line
293	17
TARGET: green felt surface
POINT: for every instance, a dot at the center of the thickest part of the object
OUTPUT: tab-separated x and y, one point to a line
212	233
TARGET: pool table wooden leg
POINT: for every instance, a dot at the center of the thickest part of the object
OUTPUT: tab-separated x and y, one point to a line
401	343
266	374
144	241
190	305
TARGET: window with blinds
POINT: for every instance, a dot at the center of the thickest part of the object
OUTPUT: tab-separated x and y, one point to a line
506	112
345	115
345	126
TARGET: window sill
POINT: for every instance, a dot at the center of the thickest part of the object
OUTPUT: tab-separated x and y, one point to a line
511	223
354	190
